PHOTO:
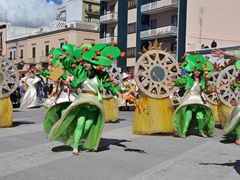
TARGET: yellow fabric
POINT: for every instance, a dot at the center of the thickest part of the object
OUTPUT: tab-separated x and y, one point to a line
224	112
111	109
215	111
6	112
159	119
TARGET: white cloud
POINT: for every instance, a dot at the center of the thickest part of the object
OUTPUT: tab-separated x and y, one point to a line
32	13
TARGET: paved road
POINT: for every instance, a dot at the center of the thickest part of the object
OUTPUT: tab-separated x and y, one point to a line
26	154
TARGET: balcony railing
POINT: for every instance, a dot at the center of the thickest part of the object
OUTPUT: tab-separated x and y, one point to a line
90	11
159	6
167	31
109	18
108	40
32	60
44	59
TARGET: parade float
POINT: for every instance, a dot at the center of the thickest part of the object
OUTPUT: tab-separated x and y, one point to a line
153	74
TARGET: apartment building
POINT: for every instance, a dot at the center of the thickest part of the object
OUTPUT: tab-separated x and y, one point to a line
181	25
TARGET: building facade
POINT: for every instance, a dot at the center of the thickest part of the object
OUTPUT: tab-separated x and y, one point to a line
33	50
181	25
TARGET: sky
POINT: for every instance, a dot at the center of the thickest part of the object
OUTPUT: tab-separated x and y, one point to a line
31	13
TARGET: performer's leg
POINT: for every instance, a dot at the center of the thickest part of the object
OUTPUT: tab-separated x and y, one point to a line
90	118
200	119
187	121
79	129
238	134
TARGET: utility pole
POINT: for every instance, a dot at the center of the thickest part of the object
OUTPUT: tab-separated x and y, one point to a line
202	9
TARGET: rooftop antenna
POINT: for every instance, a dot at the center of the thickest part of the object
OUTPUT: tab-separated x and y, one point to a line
6	15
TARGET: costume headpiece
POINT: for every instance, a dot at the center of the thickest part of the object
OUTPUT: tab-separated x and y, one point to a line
71	56
237	63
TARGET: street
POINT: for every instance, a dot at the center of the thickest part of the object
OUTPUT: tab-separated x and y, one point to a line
26	154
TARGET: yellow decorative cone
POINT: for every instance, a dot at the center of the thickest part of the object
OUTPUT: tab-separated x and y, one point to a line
215	111
159	119
224	112
6	112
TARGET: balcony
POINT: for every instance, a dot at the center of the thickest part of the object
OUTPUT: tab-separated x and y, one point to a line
108	40
92	12
109	18
163	32
32	60
159	6
44	59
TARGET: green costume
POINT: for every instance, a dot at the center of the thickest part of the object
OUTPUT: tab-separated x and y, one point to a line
193	110
233	123
83	119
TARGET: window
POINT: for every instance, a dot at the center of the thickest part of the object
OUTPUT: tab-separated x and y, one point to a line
132	28
33	52
153	24
132	4
111	32
61	41
131	52
46	49
89	8
112	8
174	20
21	53
10	55
0	39
14	54
89	19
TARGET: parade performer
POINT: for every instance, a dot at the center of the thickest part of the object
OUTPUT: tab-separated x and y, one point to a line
153	72
193	110
110	104
83	119
128	89
233	123
9	78
30	99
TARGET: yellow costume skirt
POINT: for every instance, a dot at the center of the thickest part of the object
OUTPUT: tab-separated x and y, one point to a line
6	112
159	119
215	111
224	112
111	109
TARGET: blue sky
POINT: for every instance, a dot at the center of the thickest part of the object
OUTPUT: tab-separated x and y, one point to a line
56	1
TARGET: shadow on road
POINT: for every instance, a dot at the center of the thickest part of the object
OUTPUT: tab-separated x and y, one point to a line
235	165
218	126
230	138
18	123
62	148
105	145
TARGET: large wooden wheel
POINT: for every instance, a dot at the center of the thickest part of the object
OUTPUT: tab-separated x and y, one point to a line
114	73
213	97
9	77
225	94
154	71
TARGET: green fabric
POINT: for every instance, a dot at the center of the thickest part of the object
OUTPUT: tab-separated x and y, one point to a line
190	116
237	63
83	125
237	85
66	128
52	115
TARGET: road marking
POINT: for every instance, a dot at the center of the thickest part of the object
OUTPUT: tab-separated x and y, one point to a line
209	160
22	159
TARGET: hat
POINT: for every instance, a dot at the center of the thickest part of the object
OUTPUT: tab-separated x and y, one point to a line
71	56
237	63
125	75
196	62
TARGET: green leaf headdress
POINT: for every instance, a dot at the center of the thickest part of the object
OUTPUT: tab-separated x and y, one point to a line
237	63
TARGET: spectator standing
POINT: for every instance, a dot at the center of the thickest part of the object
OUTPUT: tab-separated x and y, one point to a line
213	44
